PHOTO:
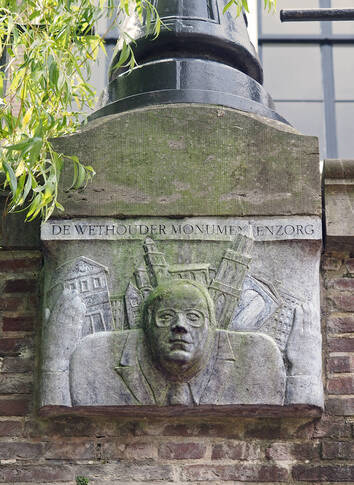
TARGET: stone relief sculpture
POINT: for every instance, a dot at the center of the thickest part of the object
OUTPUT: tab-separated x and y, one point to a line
182	335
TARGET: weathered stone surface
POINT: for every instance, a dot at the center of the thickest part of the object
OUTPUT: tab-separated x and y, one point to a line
181	160
339	203
205	331
257	378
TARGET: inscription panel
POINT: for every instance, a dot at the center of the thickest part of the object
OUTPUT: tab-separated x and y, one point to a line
208	229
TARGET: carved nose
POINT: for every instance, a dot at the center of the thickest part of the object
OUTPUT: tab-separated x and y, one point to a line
179	326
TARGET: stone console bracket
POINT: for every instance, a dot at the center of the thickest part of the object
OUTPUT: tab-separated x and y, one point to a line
339	204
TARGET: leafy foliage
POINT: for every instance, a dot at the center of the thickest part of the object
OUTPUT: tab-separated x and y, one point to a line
80	480
243	5
50	46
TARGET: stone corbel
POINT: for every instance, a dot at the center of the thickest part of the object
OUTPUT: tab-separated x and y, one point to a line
339	204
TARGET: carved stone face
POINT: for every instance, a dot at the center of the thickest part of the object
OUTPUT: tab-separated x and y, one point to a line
178	329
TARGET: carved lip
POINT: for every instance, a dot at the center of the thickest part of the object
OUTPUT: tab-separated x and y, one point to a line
180	342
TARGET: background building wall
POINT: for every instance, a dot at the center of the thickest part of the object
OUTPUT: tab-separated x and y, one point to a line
308	67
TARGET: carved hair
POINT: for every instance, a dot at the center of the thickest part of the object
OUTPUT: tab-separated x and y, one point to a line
165	288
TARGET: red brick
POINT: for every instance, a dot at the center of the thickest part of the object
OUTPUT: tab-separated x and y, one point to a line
14	384
13	346
126	473
140	451
235	451
67	426
20	450
341	344
306	451
338	450
241	472
346	284
36	473
10	345
341	323
17	324
332	427
350	265
340	407
16	364
215	430
265	429
70	450
329	263
20	286
181	451
14	407
115	450
11	428
279	452
293	451
13	265
343	302
341	364
76	426
341	385
11	303
329	473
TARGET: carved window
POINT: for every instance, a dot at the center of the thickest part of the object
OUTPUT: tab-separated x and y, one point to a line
98	322
97	283
87	327
84	285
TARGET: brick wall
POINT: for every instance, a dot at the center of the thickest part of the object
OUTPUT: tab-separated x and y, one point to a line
212	451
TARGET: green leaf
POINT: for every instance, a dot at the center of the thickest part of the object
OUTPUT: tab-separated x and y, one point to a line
227	6
124	56
27	188
11	177
59	206
53	74
18	146
81	177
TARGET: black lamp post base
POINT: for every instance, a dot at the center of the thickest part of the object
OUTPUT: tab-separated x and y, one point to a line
186	80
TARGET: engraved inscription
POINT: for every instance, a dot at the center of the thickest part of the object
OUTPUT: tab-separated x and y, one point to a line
194	229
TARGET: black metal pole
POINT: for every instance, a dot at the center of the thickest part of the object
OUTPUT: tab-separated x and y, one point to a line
308	15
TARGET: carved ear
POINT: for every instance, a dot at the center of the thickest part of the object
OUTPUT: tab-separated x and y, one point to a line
147	318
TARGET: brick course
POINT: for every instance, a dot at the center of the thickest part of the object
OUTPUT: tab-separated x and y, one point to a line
113	450
341	323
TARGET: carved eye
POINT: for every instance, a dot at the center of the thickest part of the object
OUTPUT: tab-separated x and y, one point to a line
165	318
193	316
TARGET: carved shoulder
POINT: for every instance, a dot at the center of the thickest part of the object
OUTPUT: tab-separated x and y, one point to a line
93	379
259	368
